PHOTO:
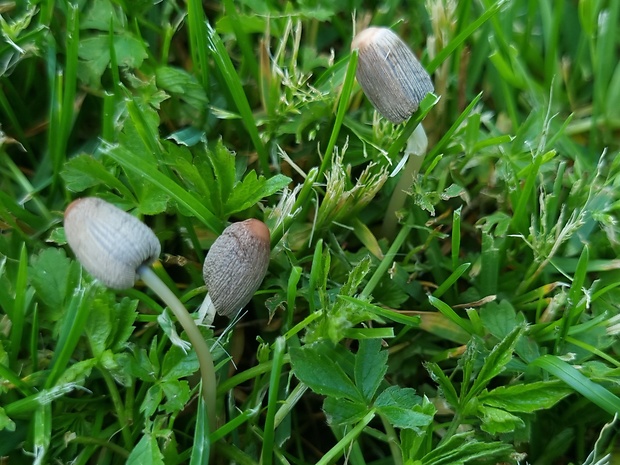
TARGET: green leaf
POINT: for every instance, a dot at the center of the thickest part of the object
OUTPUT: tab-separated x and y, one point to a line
178	364
526	398
370	367
177	395
446	386
152	399
252	189
313	366
99	14
499	318
85	171
497	421
5	422
344	411
222	173
356	277
95	55
54	276
146	452
110	323
465	448
404	409
185	85
496	361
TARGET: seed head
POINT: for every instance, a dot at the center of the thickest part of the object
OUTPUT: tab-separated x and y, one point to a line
236	265
390	75
110	243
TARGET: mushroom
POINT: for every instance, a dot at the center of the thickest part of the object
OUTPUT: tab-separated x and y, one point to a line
395	83
117	249
234	268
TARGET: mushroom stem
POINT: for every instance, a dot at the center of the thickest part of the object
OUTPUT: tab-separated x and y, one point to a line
205	361
415	151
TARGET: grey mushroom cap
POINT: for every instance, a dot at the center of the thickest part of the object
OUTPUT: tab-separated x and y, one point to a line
109	243
390	74
236	265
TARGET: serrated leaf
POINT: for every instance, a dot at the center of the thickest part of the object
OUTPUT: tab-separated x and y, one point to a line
152	399
146	452
224	175
141	367
178	364
315	368
370	367
85	171
185	85
252	189
404	409
445	385
496	361
177	395
99	14
343	411
110	323
499	318
356	277
95	55
526	398
497	421
463	448
77	373
53	274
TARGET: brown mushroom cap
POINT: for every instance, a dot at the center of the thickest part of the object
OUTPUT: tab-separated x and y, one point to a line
236	265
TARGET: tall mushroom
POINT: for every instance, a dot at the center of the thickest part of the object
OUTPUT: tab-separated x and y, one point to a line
118	249
395	83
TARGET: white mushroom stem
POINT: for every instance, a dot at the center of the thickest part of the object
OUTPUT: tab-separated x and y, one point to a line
206	312
207	370
415	152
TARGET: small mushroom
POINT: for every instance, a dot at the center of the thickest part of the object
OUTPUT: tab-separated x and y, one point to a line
389	73
235	267
117	249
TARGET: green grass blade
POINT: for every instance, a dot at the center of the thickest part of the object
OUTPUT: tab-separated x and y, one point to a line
233	83
199	49
132	162
18	317
70	332
594	392
387	261
456	274
451	314
343	104
202	442
343	445
463	35
384	313
272	402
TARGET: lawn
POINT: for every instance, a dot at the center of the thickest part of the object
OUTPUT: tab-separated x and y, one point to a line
442	290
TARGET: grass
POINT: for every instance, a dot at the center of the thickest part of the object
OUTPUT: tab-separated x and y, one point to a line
481	327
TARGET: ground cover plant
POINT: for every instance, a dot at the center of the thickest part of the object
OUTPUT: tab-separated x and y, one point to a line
461	308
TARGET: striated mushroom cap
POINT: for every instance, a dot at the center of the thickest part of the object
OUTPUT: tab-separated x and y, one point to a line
109	243
389	73
236	265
